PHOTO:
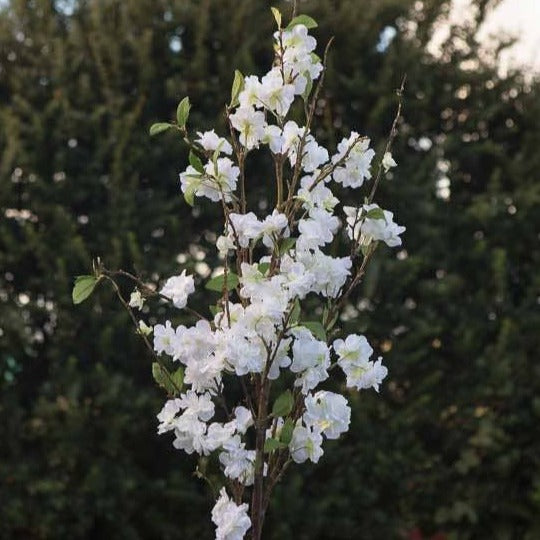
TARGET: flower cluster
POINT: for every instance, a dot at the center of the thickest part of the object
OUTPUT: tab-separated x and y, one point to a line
259	338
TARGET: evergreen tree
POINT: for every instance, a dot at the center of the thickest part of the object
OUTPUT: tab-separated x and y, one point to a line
453	448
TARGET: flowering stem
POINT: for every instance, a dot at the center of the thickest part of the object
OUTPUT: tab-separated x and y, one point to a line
257	500
144	338
390	141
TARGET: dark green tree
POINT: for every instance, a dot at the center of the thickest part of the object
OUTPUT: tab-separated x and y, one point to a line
453	447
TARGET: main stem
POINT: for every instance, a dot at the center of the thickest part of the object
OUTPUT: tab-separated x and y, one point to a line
257	500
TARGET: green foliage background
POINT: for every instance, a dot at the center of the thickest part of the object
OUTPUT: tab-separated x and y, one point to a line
451	447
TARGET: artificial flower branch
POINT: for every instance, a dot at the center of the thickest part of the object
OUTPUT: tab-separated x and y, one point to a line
260	358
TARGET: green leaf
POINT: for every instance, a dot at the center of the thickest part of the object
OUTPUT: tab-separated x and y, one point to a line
306	20
316	328
214	310
273	444
287	432
264	267
309	86
237	87
83	288
189	194
277	15
215	156
375	213
217	283
283	404
286	245
182	112
164	379
160	127
195	162
295	313
178	379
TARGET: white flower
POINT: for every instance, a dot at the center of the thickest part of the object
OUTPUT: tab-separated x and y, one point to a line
223	176
251	125
224	244
190	434
298	281
242	352
327	412
319	196
232	520
204	374
136	299
199	405
355	349
358	161
243	228
218	435
306	444
275	95
272	226
388	161
164	338
311	358
381	229
190	181
291	138
243	419
178	288
273	137
167	415
298	60
364	375
249	97
317	230
238	463
314	155
210	141
281	359
329	273
144	329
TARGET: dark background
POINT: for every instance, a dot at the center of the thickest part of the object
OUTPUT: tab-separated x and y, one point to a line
450	449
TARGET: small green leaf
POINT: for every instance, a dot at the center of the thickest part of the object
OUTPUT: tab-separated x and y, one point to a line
316	328
163	378
182	112
295	313
277	15
195	162
309	86
273	444
306	20
160	127
189	194
214	310
217	283
283	404
237	87
178	379
375	213
286	245
264	267
287	431
83	288
215	156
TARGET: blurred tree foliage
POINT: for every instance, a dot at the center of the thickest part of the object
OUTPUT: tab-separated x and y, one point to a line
451	450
